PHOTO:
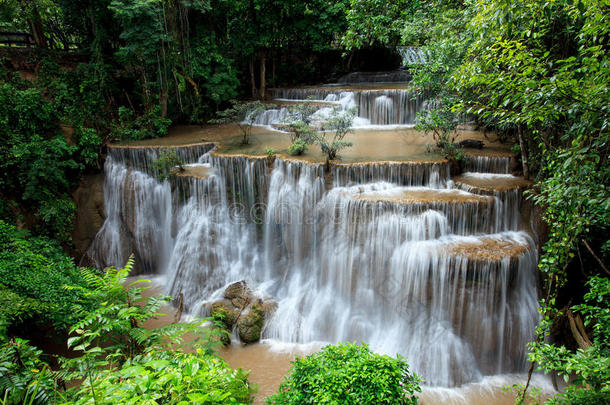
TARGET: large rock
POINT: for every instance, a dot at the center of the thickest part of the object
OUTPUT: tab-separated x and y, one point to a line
225	311
250	324
239	294
240	309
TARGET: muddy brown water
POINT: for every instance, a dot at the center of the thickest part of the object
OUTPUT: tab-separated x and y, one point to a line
402	144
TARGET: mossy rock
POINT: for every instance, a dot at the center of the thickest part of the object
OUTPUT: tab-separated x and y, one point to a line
250	325
225	312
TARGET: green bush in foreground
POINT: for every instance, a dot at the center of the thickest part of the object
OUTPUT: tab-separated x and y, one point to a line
348	374
168	377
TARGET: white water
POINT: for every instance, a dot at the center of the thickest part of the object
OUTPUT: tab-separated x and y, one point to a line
371	259
375	107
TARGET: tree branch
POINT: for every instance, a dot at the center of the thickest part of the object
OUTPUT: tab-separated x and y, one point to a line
603	266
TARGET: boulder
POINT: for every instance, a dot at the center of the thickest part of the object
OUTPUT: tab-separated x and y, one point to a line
240	308
239	294
225	311
471	143
250	324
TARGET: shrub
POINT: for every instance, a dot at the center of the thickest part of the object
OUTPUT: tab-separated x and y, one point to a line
167	163
167	377
33	275
442	124
24	377
297	147
348	374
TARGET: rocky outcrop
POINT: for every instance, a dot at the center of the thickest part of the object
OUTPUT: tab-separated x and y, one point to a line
90	215
240	309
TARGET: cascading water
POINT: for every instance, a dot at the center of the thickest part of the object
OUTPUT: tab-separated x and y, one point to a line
375	106
394	254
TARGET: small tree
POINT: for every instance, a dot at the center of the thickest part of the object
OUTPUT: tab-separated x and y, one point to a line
298	121
442	123
242	114
339	125
348	374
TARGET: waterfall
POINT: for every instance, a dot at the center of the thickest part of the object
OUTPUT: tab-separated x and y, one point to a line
384	110
395	254
488	164
412	55
393	106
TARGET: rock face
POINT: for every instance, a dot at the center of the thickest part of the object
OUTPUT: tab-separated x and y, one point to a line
241	309
90	215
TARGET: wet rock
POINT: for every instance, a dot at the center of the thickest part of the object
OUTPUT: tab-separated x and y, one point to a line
250	324
239	294
241	309
225	311
90	214
471	143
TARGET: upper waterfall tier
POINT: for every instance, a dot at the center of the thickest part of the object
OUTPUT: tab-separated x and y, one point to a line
381	105
395	254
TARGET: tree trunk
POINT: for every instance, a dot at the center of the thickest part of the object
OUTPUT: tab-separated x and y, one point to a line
252	79
523	145
37	29
263	73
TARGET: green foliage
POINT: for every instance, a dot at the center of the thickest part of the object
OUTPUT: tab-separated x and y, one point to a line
166	164
298	147
132	128
298	121
33	275
242	114
588	367
167	377
270	152
375	22
38	166
118	351
24	377
442	124
348	374
340	125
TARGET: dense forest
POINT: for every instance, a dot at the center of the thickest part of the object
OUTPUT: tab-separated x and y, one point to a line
536	73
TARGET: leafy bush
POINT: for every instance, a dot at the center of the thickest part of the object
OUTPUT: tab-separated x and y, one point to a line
124	362
442	124
589	366
132	127
348	374
298	121
24	377
33	275
167	163
38	166
297	147
167	377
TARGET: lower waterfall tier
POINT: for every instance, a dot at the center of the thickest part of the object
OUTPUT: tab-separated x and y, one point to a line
389	254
